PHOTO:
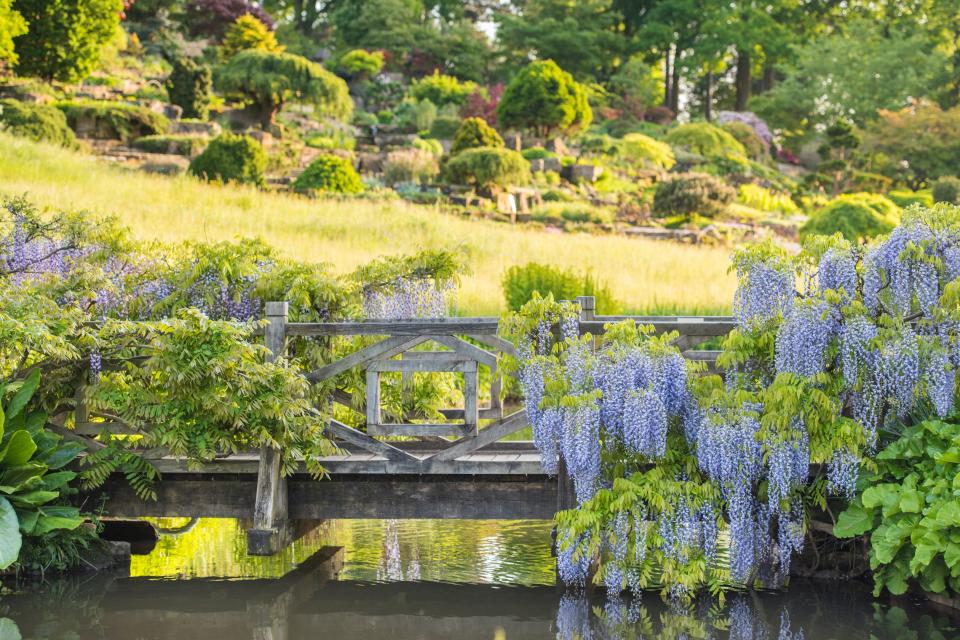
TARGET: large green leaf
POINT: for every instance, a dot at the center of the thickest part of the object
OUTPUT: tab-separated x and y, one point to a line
34	498
19	477
855	521
888	538
952	554
9	630
64	454
19	449
50	520
28	520
10	539
23	394
55	481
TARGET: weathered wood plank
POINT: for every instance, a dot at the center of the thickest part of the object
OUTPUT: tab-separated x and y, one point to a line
373	396
383	349
471	414
409	429
437	361
365	442
465	348
488	435
685	326
496	343
439	326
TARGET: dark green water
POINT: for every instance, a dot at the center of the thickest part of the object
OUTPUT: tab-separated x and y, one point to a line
417	580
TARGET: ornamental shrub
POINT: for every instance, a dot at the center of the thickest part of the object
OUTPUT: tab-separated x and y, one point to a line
487	168
12	25
746	136
537	153
248	32
64	38
442	90
40	122
116	120
189	86
416	115
705	139
904	198
947	189
266	80
329	174
544	98
232	158
429	145
692	193
183	145
645	151
211	18
410	165
360	63
856	216
475	132
521	282
445	127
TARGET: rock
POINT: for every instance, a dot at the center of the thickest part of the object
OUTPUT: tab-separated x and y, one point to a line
536	164
263	137
513	142
370	162
211	129
384	139
552	164
581	172
95	92
106	555
557	146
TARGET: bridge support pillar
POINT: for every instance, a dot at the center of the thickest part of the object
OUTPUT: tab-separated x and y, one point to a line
271	529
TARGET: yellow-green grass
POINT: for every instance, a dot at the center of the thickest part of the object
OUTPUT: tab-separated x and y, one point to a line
648	276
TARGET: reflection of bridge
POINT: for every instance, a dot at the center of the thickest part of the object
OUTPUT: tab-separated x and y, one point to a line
424	474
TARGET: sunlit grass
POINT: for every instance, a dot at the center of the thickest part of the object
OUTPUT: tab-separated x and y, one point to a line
648	276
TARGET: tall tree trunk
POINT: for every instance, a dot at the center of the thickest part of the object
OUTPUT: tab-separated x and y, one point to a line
743	80
708	97
299	19
675	84
769	76
666	79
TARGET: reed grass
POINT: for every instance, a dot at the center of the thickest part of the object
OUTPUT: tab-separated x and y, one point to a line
649	277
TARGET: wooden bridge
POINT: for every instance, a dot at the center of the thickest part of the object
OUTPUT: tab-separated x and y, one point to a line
463	467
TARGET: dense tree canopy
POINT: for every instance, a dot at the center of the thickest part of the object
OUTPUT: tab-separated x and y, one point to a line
543	97
267	80
64	37
12	25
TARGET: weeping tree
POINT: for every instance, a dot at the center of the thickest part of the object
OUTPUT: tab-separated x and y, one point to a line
266	80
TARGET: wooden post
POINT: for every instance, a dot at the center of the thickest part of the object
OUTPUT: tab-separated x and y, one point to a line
271	525
588	307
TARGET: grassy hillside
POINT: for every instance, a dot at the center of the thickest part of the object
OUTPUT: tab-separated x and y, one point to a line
648	276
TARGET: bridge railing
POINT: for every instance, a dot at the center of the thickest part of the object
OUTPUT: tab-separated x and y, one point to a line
469	442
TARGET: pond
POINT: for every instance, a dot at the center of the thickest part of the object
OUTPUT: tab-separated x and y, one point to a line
417	579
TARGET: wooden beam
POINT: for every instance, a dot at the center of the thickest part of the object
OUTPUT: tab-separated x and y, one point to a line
496	343
365	442
438	362
465	348
488	435
440	326
271	528
383	349
410	429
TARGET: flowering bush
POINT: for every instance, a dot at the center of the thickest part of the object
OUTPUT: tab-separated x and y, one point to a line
835	349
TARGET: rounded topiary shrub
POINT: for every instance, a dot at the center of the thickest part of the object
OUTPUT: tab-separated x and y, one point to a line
473	133
854	215
947	189
745	135
329	174
488	167
232	158
40	122
692	194
643	150
705	139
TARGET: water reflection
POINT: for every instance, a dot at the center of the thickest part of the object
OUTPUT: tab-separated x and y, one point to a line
476	551
315	604
413	580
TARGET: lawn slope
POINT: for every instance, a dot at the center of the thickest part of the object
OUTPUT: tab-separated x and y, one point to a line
648	276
